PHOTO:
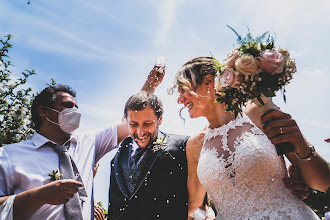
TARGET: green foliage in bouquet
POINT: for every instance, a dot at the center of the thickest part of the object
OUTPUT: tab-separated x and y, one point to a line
15	100
253	69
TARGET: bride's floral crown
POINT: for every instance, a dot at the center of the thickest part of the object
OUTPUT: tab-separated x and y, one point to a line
253	69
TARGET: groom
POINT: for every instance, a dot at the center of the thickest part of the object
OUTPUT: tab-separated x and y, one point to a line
149	171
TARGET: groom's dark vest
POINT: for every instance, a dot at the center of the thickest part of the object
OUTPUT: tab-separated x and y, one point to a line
160	189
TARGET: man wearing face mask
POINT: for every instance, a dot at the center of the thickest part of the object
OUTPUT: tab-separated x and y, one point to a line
25	166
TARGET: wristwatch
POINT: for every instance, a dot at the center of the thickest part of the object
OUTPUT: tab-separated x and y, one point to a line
311	155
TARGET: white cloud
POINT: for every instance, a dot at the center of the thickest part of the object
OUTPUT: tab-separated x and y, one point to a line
166	15
317	124
315	72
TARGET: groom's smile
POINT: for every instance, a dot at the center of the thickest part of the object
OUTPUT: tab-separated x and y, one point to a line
143	126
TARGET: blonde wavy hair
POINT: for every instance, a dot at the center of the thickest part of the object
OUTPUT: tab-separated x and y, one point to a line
192	73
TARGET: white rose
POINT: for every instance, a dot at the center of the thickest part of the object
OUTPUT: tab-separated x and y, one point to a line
58	176
246	64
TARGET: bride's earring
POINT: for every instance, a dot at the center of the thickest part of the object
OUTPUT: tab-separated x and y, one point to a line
208	90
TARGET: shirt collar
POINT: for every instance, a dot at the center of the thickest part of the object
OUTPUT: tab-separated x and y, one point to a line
39	140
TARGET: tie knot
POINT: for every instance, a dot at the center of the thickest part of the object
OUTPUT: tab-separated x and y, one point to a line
59	148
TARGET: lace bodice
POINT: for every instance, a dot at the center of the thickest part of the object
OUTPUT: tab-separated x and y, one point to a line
238	166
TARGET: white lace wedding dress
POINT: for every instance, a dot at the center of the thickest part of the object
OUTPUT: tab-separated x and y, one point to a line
239	168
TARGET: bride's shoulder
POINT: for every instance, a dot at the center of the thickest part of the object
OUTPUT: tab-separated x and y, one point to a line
195	144
252	111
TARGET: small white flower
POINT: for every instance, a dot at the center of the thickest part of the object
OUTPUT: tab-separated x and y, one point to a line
11	84
0	63
17	106
26	99
23	113
12	113
217	84
2	90
159	144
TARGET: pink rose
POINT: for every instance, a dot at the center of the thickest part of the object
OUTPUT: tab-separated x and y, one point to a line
230	60
271	61
228	77
247	64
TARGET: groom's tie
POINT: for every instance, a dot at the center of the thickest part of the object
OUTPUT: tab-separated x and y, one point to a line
67	168
137	155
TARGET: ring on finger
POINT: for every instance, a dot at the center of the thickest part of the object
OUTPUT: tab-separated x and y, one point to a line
281	130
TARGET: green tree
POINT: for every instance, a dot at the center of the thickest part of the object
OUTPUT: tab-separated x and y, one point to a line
15	100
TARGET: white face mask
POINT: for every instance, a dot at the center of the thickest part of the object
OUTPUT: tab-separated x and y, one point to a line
68	119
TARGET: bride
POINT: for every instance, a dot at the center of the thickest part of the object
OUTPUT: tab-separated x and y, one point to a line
234	159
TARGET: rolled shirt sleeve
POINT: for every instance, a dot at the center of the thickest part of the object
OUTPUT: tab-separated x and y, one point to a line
105	141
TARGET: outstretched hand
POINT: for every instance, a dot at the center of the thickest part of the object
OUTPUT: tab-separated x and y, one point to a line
60	191
155	77
280	127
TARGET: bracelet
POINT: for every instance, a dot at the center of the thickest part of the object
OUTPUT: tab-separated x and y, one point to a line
310	156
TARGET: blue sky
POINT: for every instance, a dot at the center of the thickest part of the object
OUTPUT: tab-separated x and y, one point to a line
105	49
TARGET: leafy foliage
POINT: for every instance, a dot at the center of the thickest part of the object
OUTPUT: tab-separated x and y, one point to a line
15	100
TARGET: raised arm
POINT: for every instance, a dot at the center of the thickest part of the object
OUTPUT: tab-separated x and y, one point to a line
155	77
122	130
196	192
280	127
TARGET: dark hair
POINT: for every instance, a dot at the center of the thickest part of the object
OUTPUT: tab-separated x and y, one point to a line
47	97
206	201
142	100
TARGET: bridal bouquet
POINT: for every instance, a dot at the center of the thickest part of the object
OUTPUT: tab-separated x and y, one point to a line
254	71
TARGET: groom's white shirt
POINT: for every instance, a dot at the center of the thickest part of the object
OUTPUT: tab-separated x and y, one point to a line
27	164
